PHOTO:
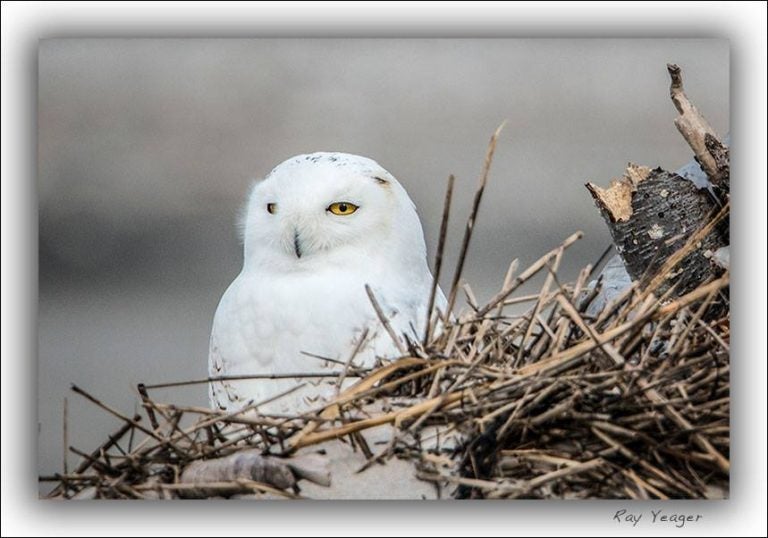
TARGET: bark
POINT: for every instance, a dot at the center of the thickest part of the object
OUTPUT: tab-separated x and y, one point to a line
651	214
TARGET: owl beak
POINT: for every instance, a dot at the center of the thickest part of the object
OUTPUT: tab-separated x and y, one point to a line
296	244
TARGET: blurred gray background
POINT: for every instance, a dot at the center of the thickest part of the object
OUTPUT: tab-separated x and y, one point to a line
146	149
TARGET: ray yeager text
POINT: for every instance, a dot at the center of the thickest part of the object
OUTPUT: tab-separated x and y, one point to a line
655	517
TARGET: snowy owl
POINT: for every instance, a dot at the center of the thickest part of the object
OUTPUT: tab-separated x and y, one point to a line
317	230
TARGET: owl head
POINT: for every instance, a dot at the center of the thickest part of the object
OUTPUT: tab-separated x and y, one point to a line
330	208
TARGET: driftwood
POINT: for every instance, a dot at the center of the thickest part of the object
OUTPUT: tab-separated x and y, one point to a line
708	150
248	466
651	214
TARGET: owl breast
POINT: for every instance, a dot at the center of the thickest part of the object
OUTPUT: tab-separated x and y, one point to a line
285	325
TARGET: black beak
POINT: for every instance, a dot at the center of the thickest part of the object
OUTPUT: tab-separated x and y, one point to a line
296	246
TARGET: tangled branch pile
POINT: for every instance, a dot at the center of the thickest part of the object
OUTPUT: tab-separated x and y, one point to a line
632	402
578	397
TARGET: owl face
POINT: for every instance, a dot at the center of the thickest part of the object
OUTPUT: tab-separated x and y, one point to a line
325	207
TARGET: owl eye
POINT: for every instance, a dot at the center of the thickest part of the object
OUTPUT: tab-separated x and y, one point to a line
342	208
271	208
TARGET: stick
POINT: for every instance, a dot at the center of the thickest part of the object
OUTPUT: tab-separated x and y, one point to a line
65	437
471	220
297	375
439	258
693	126
147	406
384	321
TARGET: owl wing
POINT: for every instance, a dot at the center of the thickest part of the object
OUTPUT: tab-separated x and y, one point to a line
221	393
236	347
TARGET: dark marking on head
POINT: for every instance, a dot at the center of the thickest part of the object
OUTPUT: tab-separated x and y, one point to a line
381	180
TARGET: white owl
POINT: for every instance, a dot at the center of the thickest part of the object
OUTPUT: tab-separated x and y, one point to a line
318	229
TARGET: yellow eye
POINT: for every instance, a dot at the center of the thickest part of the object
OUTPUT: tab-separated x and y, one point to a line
342	208
271	208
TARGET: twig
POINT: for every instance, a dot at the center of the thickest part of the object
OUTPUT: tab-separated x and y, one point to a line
297	375
147	406
65	437
384	320
471	220
439	260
